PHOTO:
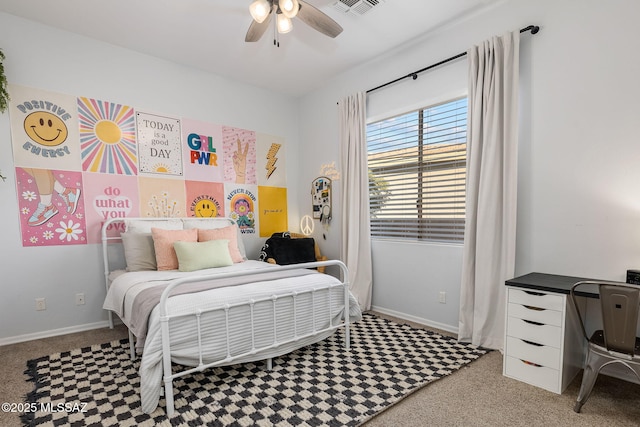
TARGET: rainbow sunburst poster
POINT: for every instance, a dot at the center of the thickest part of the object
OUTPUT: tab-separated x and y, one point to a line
107	137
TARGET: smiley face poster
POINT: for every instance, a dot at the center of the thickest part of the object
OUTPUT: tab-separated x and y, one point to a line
44	129
205	199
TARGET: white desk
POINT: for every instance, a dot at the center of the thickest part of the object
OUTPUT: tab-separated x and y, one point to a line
544	345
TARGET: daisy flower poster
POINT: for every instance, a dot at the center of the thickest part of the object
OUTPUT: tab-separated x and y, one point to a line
161	198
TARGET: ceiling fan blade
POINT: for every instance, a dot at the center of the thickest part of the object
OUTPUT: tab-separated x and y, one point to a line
255	31
318	20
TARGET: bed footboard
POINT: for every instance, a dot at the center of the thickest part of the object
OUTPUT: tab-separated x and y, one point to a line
319	325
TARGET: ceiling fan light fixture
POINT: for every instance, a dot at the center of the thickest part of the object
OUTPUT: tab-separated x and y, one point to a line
259	10
289	8
284	24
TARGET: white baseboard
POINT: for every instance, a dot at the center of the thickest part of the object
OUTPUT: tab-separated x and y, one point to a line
420	320
53	333
105	324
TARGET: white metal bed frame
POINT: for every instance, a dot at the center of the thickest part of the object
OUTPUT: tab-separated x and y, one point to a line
166	316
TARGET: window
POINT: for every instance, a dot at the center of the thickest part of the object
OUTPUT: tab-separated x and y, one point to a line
417	169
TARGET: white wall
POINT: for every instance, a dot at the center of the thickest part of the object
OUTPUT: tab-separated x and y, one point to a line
44	58
578	208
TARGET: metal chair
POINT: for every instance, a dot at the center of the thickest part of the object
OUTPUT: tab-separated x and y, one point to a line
617	342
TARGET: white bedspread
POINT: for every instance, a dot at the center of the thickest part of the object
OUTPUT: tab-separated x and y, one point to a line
125	286
313	311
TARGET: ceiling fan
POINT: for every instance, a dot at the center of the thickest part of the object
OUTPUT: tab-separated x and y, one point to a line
262	12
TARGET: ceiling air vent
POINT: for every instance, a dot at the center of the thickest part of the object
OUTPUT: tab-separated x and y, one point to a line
359	7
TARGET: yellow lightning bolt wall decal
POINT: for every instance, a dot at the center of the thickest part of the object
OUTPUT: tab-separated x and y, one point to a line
272	159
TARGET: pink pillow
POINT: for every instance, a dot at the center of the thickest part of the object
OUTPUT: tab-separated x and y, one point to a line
229	233
166	257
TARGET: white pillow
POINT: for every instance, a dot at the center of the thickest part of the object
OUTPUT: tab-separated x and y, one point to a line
139	252
145	225
205	223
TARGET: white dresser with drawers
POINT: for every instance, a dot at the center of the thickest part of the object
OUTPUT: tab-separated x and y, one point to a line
544	345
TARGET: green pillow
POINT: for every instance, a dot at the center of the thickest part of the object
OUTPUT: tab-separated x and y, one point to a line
198	255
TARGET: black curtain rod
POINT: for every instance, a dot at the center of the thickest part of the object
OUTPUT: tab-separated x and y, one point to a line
533	28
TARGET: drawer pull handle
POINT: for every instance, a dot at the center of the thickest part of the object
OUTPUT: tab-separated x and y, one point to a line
531	343
537	294
529	307
531	322
526	362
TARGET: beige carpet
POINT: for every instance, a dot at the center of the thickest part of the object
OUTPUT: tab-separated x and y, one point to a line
476	395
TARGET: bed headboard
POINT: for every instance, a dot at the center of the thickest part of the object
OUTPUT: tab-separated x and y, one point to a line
112	250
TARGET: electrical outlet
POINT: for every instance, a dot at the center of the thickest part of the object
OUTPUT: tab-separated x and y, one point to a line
80	299
442	297
41	304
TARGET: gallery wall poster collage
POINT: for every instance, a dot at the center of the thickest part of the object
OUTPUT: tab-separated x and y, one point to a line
81	161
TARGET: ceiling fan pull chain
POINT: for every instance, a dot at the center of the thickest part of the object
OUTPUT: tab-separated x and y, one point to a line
276	35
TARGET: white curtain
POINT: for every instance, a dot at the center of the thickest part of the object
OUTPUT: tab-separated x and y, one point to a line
492	149
356	237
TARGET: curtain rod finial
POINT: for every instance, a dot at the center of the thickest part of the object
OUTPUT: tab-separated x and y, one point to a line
533	28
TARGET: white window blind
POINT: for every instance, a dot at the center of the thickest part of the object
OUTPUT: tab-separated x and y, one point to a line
417	169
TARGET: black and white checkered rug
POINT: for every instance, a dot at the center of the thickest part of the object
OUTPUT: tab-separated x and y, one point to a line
319	385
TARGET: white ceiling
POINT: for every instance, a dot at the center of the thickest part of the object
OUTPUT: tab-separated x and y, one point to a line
209	34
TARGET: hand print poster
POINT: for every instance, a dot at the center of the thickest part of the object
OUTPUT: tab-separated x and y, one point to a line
239	148
159	147
51	209
241	204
